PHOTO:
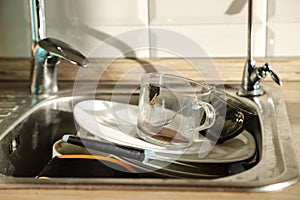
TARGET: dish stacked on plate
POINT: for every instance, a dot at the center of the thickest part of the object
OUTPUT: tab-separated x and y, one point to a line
115	124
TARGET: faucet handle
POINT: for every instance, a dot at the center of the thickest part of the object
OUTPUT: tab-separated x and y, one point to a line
268	68
63	50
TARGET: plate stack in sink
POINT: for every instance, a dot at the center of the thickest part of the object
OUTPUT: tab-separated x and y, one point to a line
115	123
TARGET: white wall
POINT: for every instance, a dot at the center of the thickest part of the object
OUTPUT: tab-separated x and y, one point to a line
218	26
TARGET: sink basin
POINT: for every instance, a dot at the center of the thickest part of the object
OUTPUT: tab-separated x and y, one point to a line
30	126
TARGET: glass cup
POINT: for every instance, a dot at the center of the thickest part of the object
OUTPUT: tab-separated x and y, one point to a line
172	110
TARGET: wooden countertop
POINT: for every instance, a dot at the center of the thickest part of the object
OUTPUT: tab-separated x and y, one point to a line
230	71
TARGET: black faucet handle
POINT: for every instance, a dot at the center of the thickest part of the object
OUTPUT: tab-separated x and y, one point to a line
268	68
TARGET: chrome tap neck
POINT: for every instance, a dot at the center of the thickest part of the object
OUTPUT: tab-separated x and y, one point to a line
252	75
47	52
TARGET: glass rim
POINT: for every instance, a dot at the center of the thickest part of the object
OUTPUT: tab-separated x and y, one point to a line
182	78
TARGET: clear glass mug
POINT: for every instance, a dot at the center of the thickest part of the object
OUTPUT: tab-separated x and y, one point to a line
172	110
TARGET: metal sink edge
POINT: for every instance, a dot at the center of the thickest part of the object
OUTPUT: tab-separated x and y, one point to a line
278	168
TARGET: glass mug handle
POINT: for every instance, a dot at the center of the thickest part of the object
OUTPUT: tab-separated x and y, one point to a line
210	115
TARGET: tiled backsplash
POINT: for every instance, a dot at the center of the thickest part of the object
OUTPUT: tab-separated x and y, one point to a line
218	26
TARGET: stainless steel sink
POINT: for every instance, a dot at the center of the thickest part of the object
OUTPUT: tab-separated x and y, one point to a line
29	126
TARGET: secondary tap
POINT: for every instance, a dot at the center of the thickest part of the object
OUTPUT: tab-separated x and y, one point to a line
252	75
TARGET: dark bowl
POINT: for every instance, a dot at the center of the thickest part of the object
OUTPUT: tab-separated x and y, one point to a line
232	115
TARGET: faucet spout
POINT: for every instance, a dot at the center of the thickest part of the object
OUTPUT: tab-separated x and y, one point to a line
62	50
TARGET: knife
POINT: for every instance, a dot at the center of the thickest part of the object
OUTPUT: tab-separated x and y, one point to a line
142	155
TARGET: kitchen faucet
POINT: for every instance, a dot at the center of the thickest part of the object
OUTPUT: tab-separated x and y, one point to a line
47	52
252	75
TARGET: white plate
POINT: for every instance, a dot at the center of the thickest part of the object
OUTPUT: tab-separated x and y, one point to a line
116	123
